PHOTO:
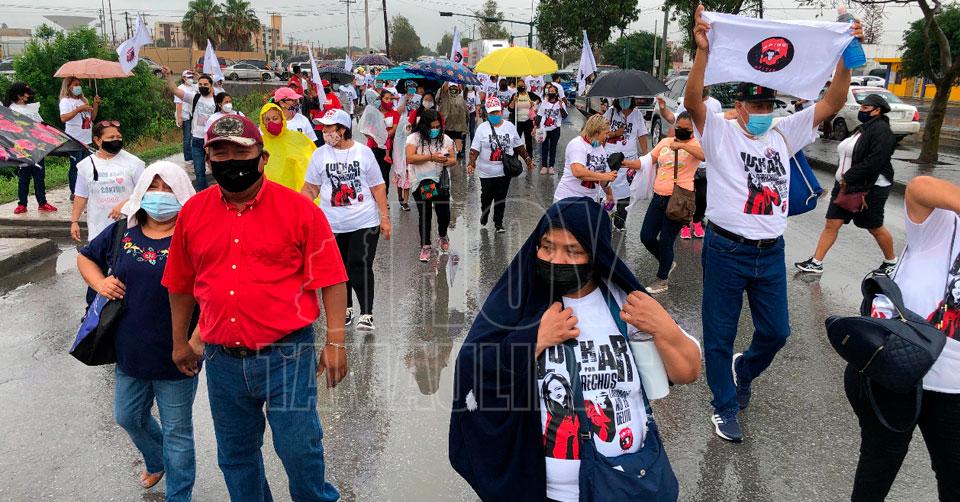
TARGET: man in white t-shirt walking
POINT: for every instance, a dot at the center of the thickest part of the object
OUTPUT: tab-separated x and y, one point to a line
747	204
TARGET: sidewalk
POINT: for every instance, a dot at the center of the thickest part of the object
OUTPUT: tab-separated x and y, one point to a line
823	157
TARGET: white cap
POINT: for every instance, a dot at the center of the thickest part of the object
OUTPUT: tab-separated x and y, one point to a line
336	116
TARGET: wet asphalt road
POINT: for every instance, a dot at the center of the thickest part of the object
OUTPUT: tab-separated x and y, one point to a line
386	424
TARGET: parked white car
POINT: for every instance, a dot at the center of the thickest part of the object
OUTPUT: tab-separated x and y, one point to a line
246	71
869	80
904	118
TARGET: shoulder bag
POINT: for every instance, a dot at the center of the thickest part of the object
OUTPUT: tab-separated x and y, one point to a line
683	202
512	165
805	189
643	475
94	343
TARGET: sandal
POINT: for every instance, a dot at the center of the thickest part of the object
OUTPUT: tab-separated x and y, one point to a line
148	480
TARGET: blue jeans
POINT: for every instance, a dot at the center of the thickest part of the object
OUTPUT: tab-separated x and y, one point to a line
166	446
659	233
38	173
284	380
199	163
729	269
187	140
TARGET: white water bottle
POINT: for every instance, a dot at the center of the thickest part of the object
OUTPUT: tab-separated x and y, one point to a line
649	366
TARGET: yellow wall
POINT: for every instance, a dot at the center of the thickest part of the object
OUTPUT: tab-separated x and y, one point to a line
909	87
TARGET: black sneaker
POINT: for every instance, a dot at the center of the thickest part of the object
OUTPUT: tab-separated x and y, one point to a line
349	319
743	387
726	426
501	230
404	206
483	219
885	268
809	267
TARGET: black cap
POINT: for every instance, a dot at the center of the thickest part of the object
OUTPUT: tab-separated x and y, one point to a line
747	91
876	101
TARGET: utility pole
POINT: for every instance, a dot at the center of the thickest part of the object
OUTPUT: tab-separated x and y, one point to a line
348	2
113	27
103	20
126	18
653	64
366	25
386	29
663	49
761	9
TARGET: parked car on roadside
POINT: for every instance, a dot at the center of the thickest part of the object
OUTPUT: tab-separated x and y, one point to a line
588	105
246	71
155	67
904	118
659	127
6	67
568	82
259	63
868	80
223	64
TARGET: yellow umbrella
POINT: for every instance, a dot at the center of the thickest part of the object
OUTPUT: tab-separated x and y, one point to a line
516	62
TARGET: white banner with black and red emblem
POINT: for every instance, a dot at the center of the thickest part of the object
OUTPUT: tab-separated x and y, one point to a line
793	57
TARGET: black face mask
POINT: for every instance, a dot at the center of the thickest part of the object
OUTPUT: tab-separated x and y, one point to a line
683	134
236	175
326	90
521	89
204	91
563	279
552	97
112	147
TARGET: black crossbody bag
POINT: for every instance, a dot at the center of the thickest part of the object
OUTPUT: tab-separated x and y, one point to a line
512	165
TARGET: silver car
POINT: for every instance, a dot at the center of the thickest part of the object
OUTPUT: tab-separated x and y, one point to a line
246	71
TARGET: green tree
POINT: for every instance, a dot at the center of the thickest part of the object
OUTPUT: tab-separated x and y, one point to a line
632	51
560	23
683	11
239	22
138	102
446	43
404	41
45	32
491	29
203	21
931	49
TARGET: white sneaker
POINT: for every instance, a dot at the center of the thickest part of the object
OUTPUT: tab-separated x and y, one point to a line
658	286
365	322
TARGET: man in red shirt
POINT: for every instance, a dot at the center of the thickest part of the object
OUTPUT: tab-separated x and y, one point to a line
253	254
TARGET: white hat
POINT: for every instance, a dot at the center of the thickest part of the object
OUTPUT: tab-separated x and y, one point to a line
493	104
336	116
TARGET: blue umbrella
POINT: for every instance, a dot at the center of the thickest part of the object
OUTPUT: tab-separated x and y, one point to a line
397	73
444	70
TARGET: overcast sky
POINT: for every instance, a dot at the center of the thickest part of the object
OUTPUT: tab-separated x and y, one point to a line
324	21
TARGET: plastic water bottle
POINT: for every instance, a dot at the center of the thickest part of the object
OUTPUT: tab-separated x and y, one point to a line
853	56
649	366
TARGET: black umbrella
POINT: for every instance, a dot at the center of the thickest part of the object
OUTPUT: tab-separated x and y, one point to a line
335	74
373	60
625	83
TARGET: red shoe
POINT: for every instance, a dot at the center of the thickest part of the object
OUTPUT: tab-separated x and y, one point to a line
20	209
698	230
47	208
685	232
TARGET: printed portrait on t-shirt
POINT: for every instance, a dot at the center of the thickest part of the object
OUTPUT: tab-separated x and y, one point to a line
947	315
766	182
619	121
496	150
345	183
551	116
600	413
597	164
560	433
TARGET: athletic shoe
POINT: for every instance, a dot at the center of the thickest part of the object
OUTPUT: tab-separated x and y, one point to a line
543	170
47	208
404	206
809	266
425	253
726	426
501	230
658	286
673	266
349	319
618	229
444	243
885	268
685	232
20	209
365	322
698	230
743	388
483	219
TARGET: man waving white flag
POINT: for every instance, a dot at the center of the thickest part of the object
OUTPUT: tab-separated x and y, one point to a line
456	54
211	65
347	63
129	50
588	65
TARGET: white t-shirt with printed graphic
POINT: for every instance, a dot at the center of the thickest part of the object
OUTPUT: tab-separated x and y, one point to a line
116	178
923	275
636	127
611	390
489	164
81	125
550	116
750	178
534	84
300	123
345	178
593	158
204	109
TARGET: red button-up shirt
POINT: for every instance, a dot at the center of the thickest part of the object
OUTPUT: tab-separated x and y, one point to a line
254	271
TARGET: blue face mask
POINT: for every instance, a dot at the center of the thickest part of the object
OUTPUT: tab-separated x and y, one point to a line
161	206
495	119
759	123
434	133
625	103
595	143
411	90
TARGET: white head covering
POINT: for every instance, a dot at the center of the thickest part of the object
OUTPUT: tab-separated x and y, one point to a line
171	174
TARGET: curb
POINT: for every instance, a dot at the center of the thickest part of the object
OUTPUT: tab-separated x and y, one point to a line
26	258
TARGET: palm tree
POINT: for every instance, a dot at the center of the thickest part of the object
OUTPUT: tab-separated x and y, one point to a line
203	20
240	22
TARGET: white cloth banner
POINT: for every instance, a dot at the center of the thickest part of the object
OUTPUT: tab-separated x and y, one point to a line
456	54
793	57
129	50
588	65
347	63
315	78
211	65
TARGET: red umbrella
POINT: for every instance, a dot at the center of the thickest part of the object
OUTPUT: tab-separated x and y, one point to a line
91	68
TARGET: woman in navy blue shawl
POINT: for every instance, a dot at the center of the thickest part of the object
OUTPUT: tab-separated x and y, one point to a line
496	437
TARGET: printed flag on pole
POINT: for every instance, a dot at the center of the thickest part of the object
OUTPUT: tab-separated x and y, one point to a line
315	76
347	63
211	65
129	50
793	57
588	65
456	54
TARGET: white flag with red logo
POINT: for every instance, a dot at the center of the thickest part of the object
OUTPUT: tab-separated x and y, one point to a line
793	57
456	54
129	50
588	65
211	65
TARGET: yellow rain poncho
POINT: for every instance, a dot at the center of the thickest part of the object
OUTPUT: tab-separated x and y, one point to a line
290	152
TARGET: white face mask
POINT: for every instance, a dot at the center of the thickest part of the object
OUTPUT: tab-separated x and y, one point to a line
428	104
227	108
332	138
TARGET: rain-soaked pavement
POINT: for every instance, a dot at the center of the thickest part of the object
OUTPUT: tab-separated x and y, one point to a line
386	424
